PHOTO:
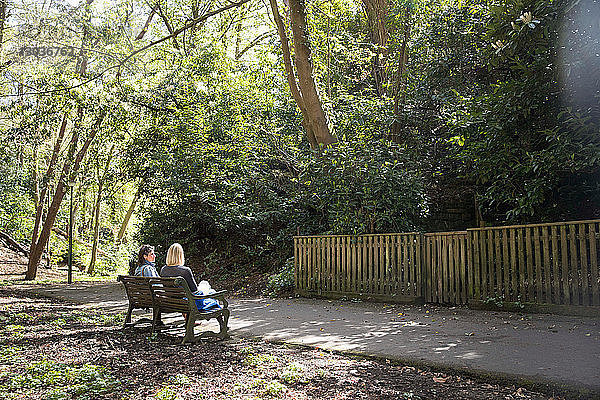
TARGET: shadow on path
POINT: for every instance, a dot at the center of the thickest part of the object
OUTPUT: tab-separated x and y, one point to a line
542	347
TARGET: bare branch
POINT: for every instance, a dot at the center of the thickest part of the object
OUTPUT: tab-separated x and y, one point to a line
168	25
252	44
147	24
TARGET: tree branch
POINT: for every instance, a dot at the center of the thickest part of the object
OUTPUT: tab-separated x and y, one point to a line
147	24
183	28
252	44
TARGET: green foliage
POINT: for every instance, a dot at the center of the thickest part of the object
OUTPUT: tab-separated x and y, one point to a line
62	381
259	360
492	104
364	186
171	391
275	389
293	373
282	281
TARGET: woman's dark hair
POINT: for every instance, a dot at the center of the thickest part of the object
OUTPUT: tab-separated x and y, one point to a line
144	251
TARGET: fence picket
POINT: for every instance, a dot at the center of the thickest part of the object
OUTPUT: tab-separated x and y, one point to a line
476	289
514	284
574	282
594	263
546	266
505	265
497	265
427	269
556	298
463	268
585	289
565	266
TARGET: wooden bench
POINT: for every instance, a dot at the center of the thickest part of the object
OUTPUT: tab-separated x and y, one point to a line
139	296
169	295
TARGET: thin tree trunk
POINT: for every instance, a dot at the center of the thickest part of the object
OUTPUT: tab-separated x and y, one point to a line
238	31
168	25
306	81
45	186
96	229
128	215
329	51
101	182
36	183
147	24
400	87
377	13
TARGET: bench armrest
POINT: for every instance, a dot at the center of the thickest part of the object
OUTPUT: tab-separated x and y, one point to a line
217	295
220	293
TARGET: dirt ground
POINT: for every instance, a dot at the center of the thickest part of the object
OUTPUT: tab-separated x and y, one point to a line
55	350
51	349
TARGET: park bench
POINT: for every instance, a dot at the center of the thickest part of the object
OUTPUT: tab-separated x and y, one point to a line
173	295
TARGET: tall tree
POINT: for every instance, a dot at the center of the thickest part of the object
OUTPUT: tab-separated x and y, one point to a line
101	181
303	88
70	168
377	15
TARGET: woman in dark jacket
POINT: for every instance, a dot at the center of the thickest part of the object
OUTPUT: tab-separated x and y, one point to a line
176	267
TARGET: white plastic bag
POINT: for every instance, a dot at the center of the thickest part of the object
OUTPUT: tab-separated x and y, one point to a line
204	288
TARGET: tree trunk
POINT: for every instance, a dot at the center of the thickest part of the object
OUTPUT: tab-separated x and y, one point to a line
101	182
96	229
128	216
140	36
36	183
45	186
2	19
303	90
306	81
69	173
377	13
168	26
400	87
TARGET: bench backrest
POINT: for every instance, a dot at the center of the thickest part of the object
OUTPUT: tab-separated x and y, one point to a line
172	294
138	291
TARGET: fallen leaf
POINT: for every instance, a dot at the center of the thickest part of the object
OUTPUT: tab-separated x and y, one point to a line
440	380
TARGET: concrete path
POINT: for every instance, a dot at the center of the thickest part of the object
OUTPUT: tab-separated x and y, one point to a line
558	350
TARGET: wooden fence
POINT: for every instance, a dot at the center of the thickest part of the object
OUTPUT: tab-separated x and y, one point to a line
555	263
378	265
444	262
543	263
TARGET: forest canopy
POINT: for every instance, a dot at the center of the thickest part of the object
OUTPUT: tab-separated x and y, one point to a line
232	126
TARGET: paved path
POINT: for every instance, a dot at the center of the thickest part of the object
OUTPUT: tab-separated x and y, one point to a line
538	347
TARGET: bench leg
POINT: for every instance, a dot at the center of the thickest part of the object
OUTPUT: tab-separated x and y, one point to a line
155	318
128	316
223	321
190	322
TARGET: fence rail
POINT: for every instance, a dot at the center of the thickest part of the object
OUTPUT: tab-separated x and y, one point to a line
554	263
